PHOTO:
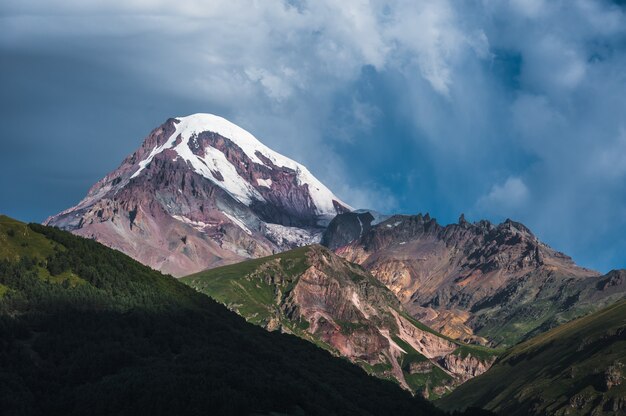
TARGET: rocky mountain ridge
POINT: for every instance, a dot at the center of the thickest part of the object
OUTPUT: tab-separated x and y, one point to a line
479	282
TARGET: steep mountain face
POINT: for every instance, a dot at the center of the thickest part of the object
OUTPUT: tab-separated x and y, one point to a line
578	368
319	296
478	282
87	330
202	192
349	226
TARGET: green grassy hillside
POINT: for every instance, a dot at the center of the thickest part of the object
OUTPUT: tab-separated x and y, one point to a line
86	330
578	368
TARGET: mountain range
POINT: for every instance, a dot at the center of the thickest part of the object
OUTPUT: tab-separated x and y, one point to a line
428	306
486	283
87	330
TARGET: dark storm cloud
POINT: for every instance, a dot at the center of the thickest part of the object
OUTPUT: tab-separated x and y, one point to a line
498	109
66	122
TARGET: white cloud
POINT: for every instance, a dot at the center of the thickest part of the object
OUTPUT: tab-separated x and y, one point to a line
505	199
609	161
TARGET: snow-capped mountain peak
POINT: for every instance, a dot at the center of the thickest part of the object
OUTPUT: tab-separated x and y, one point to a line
185	138
200	192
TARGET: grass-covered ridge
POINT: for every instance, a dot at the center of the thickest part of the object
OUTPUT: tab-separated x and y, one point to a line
128	340
578	368
252	298
18	240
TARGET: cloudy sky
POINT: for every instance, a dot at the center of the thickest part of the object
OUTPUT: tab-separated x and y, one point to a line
494	108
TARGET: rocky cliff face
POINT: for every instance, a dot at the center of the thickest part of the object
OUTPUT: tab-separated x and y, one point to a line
479	282
468	366
202	192
321	297
346	228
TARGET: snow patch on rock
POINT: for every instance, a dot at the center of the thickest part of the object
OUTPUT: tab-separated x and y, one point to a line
264	182
291	236
395	224
198	225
